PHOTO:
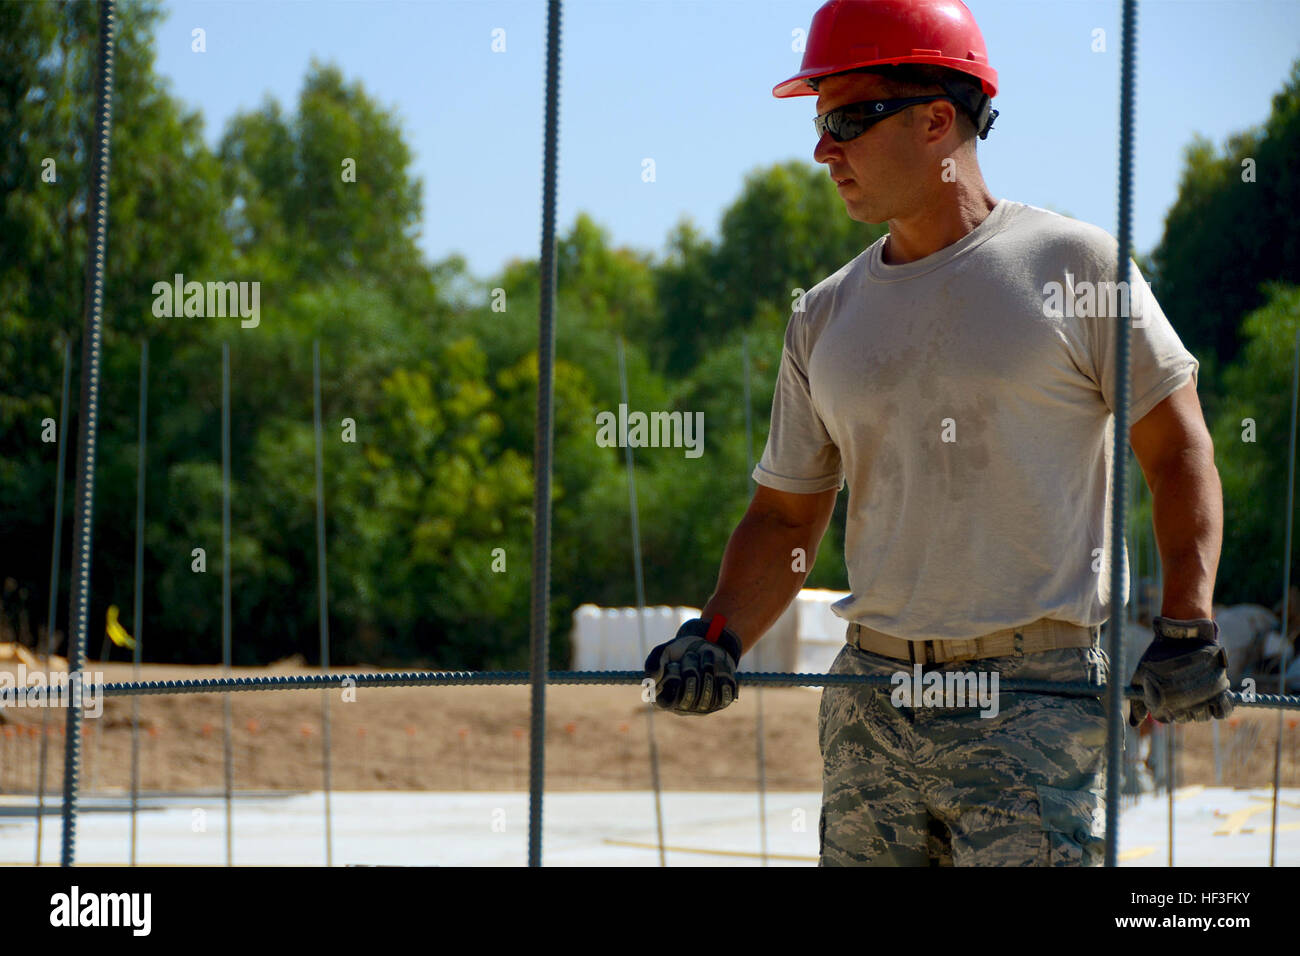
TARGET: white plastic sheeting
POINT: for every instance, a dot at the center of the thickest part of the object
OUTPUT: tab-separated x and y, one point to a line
1243	629
805	639
808	635
607	638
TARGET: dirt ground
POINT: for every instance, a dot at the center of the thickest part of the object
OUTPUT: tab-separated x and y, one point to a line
476	738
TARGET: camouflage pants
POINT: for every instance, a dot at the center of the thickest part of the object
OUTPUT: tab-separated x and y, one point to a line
935	786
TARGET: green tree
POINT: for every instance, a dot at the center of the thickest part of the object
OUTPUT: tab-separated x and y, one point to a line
164	215
787	230
1256	406
1232	228
327	191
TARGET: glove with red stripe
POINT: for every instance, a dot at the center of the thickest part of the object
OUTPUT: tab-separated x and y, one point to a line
695	672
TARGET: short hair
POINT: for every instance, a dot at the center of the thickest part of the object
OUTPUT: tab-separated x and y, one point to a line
918	79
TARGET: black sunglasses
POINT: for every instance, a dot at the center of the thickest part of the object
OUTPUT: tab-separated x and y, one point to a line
853	119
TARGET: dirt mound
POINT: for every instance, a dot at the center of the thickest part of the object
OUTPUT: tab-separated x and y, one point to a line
476	738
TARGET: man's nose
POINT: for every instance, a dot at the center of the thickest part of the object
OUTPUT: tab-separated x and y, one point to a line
826	149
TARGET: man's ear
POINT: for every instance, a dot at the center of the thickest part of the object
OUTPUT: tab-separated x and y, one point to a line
933	125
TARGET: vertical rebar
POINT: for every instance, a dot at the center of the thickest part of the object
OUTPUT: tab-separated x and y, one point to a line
227	748
1171	778
759	733
83	534
1135	566
541	578
1119	458
137	618
1218	754
639	578
52	608
1137	600
1286	595
321	586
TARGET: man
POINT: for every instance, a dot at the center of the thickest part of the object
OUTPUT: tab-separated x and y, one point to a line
959	374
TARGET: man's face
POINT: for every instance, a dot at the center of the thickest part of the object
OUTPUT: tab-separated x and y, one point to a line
877	173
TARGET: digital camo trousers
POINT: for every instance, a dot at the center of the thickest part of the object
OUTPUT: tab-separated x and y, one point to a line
937	786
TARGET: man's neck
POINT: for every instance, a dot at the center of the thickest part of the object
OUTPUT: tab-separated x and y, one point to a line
938	226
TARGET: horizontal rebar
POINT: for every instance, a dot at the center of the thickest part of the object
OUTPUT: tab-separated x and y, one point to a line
467	678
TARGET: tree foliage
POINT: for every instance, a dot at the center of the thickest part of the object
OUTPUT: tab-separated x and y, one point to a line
1232	228
1251	441
429	374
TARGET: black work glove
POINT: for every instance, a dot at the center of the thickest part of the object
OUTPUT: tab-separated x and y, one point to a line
1183	675
694	674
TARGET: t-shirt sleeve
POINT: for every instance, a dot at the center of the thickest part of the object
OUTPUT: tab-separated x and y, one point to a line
800	456
1159	363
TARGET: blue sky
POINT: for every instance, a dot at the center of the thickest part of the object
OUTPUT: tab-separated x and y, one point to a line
688	84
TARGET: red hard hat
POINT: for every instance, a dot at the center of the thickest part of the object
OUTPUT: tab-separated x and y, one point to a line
848	34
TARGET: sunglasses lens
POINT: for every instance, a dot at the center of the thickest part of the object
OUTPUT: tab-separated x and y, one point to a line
850	127
847	122
838	125
851	121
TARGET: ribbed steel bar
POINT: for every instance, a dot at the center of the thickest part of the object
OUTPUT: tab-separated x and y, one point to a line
1171	779
639	580
1286	594
760	735
323	597
52	610
543	438
91	345
137	606
219	685
226	716
1119	459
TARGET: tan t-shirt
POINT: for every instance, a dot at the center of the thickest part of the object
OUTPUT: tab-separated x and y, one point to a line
967	400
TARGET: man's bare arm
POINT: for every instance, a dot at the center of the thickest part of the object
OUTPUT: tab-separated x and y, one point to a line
1177	457
757	581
